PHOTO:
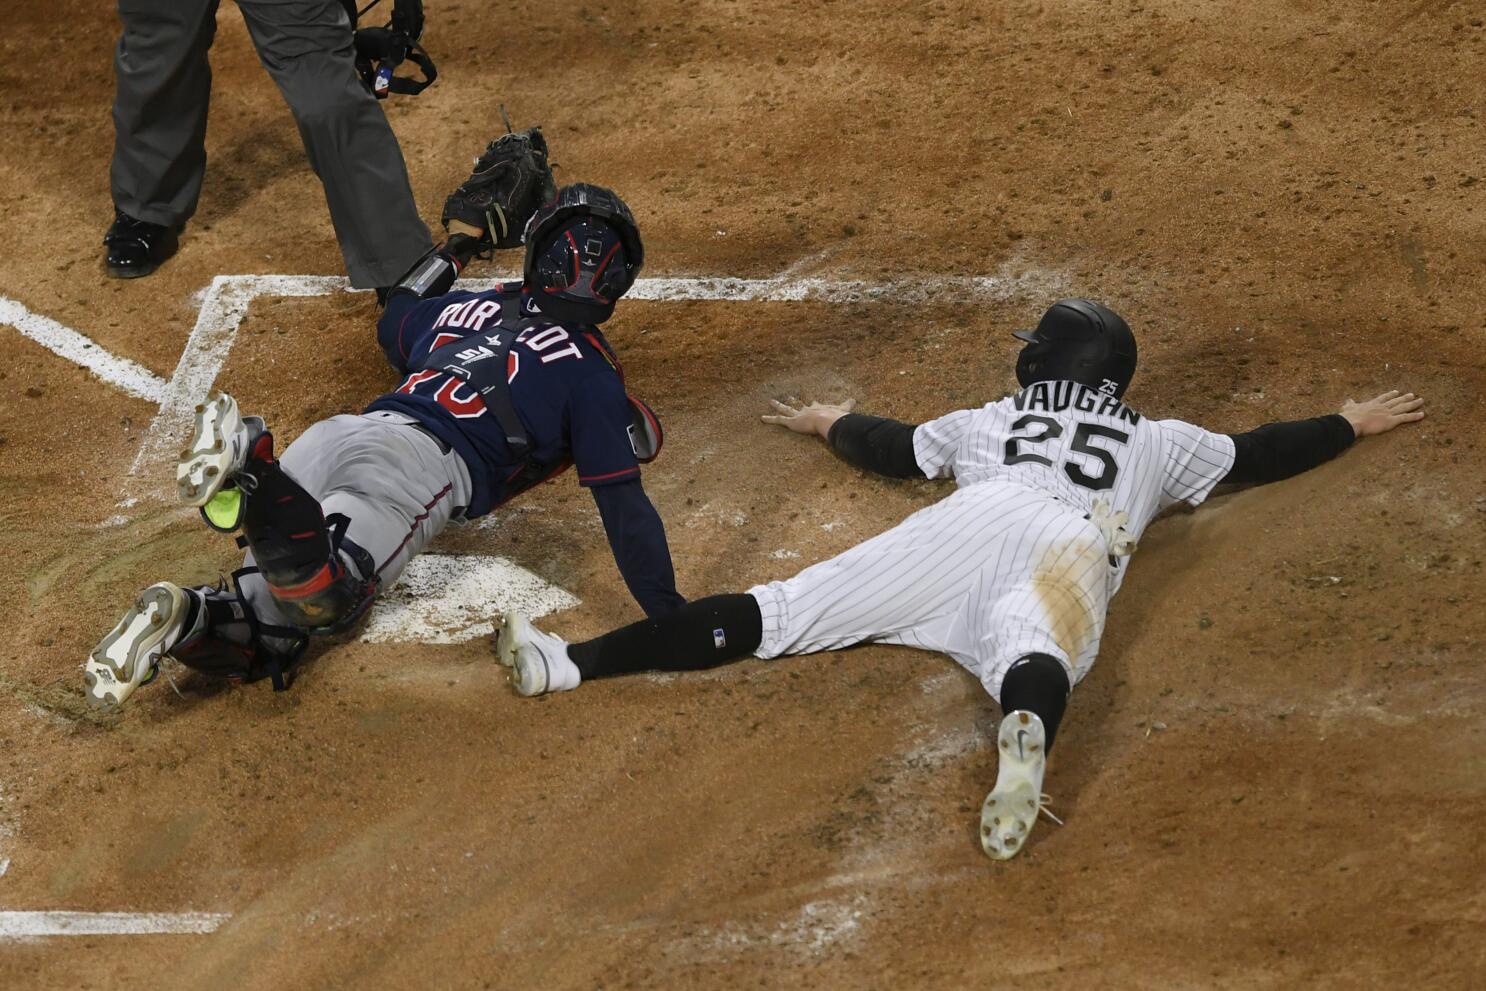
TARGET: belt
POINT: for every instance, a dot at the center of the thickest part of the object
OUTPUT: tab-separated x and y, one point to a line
404	420
444	447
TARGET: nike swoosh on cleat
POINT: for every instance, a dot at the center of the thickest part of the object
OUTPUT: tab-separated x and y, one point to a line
1021	752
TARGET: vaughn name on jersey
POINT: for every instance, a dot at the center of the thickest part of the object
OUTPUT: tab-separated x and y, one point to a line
1076	444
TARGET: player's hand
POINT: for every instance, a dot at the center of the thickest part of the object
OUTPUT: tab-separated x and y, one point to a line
816	418
1380	415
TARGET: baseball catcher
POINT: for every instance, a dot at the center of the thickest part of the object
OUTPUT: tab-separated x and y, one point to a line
1011	575
500	390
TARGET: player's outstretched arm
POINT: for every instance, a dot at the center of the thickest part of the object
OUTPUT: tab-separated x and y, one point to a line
1381	414
872	443
431	276
816	418
638	539
1277	451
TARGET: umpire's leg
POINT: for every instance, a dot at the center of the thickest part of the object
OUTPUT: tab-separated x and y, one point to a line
163	82
306	45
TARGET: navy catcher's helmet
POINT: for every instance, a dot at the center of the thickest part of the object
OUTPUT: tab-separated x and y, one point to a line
1078	340
583	252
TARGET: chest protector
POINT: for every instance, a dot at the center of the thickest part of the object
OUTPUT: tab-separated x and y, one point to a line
482	362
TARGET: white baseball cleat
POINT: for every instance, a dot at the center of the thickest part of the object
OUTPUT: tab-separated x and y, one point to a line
130	654
538	661
219	449
1010	810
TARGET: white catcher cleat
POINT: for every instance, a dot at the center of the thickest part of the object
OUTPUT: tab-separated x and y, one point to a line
129	655
219	449
538	661
1010	810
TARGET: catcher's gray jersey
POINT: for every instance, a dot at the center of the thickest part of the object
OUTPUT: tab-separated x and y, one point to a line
1010	564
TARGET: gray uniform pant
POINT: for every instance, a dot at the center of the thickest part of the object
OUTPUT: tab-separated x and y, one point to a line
394	482
163	86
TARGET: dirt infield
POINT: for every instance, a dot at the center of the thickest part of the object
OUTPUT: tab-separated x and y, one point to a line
1275	775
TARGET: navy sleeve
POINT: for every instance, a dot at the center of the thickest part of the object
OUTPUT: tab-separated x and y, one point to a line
876	444
638	540
1279	450
598	431
391	329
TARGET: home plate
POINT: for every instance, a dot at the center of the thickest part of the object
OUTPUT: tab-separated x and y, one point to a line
451	598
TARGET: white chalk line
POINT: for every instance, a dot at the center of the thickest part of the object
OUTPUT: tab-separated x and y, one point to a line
7	832
224	304
226	301
132	378
34	925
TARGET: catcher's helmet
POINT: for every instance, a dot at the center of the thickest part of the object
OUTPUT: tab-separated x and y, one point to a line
1078	340
583	252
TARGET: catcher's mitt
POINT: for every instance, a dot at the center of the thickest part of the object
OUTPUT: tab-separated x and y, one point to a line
509	182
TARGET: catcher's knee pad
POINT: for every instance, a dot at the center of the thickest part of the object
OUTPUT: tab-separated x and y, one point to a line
327	596
229	642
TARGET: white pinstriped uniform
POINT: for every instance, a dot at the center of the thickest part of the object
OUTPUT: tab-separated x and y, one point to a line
1009	564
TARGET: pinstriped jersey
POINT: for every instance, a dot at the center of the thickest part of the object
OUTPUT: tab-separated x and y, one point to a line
1077	445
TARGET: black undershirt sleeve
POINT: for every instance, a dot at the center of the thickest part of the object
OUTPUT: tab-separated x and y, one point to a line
697	636
876	444
1280	450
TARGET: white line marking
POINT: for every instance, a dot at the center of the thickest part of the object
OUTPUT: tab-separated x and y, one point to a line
7	832
811	932
29	925
814	288
65	342
223	307
226	301
449	598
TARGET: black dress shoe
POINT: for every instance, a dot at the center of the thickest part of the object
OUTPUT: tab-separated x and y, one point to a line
135	247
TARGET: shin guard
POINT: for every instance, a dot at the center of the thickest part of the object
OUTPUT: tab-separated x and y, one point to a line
232	644
321	580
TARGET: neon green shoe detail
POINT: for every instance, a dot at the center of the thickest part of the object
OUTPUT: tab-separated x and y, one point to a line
224	511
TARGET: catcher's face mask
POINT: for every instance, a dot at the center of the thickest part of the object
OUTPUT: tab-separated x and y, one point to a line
581	271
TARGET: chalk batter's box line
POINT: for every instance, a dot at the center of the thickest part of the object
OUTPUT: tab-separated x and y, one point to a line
35	925
226	301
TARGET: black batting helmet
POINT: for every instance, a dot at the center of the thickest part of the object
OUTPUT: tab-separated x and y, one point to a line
583	252
1078	340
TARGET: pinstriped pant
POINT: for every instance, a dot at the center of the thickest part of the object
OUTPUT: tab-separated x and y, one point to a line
987	575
